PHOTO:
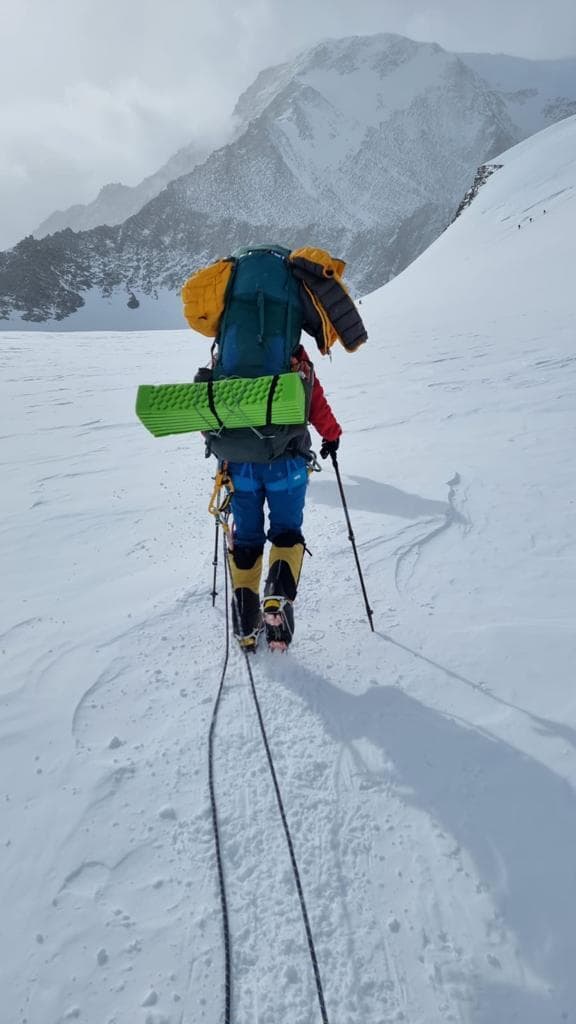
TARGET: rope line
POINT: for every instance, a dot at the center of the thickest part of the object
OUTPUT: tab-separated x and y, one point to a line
290	844
280	802
217	842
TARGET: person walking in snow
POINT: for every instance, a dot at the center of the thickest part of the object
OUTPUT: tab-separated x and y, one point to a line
256	304
282	484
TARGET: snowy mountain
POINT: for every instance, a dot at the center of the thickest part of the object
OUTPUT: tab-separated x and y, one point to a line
363	145
536	92
116	202
428	770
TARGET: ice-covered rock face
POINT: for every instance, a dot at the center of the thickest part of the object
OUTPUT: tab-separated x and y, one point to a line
364	145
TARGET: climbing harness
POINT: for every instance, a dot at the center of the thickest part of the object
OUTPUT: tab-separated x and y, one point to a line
221	510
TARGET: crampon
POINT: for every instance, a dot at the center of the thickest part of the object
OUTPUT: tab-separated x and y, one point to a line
278	616
249	643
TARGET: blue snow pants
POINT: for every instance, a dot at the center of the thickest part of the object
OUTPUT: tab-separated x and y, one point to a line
282	484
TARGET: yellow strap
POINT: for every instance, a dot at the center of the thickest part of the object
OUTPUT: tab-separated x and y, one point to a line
222	480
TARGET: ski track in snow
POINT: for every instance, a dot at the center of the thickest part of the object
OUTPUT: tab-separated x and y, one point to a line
428	770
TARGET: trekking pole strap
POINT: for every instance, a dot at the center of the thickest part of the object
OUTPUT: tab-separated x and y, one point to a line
352	540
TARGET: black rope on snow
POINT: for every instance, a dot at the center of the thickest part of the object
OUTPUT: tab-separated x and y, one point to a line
296	872
219	861
290	844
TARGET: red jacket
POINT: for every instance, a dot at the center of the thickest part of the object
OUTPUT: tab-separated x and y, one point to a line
320	415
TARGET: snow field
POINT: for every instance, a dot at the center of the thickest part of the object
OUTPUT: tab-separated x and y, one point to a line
428	770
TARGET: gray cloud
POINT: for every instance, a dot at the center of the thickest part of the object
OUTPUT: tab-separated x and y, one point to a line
96	91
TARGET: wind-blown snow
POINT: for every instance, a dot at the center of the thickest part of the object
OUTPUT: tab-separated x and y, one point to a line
428	770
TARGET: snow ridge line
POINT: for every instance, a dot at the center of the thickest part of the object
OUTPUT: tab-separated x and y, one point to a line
280	802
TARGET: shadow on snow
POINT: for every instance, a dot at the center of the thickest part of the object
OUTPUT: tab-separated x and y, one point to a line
515	817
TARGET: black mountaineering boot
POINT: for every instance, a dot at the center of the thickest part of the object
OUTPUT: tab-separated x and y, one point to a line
284	570
246	569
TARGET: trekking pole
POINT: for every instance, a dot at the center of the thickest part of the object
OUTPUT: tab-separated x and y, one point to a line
221	511
215	562
352	540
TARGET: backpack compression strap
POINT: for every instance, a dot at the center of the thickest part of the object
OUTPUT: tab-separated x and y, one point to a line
254	402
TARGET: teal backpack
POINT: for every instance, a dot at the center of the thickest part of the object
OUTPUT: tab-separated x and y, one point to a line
258	334
262	318
250	406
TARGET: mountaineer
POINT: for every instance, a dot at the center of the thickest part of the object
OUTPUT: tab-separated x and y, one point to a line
255	304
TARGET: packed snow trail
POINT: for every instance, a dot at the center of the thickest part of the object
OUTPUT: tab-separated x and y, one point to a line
428	770
228	984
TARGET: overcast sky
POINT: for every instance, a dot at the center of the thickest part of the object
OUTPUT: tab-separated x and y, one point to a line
93	91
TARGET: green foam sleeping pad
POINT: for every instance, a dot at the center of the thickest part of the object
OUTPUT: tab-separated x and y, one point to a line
234	402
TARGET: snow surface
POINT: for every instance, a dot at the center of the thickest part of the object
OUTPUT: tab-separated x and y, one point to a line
428	771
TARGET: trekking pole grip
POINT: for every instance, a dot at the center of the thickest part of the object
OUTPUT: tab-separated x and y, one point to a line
351	538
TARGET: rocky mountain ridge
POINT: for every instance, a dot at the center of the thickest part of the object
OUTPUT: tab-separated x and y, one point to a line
364	145
536	94
116	202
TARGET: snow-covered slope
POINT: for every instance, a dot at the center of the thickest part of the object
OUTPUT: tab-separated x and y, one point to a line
536	92
428	770
363	145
